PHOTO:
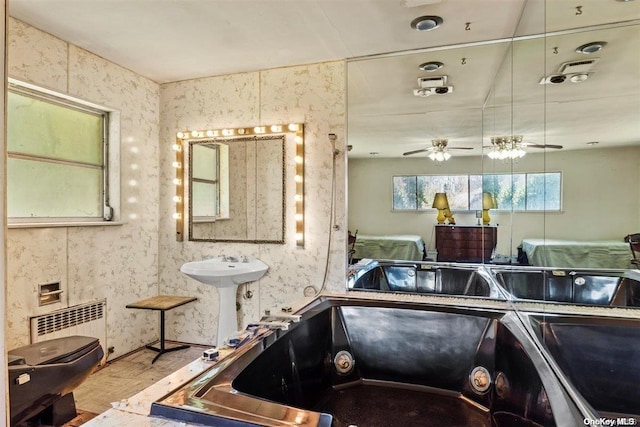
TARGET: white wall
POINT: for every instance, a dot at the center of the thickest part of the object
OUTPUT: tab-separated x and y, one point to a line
607	179
119	263
310	94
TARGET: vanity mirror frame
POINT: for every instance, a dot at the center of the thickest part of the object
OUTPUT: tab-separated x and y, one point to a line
186	138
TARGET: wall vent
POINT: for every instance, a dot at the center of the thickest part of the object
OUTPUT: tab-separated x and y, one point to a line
435	81
581	66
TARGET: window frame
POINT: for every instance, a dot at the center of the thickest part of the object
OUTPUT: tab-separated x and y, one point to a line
217	183
110	191
469	192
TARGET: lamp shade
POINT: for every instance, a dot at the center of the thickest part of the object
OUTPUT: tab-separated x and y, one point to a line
440	201
488	201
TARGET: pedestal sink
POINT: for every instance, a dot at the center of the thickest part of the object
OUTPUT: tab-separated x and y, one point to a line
226	273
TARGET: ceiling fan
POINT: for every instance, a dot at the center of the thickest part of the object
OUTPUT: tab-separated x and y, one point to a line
512	147
438	151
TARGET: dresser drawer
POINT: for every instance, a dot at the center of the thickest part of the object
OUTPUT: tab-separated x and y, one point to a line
465	243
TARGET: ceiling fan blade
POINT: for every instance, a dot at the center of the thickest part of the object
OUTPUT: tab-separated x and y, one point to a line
408	153
557	147
459	148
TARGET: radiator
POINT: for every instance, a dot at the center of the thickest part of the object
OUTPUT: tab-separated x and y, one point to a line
89	320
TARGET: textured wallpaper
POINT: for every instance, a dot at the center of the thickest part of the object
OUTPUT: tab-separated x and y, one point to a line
310	94
119	263
141	258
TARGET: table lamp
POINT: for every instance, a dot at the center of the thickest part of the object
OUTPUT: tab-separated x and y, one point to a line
488	202
449	216
441	203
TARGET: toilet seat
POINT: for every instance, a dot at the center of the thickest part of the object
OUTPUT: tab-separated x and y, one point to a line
57	350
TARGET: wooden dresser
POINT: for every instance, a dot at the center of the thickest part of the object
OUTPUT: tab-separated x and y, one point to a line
466	243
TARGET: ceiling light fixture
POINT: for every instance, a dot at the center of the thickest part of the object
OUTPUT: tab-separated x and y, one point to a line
439	152
426	23
580	77
592	47
506	148
431	66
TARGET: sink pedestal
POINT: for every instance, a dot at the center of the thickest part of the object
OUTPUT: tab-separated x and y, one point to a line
228	318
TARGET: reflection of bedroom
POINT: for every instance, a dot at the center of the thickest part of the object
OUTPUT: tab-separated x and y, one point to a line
599	197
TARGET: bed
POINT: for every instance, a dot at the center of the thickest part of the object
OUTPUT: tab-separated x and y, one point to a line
577	254
397	247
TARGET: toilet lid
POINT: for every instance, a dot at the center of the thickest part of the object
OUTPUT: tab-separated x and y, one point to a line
58	350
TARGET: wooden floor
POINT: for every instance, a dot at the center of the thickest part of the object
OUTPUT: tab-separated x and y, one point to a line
126	376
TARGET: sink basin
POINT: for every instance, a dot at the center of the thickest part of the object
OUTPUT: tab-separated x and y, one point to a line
226	274
220	272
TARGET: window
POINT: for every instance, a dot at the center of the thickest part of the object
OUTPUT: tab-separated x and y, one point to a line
209	181
518	192
57	167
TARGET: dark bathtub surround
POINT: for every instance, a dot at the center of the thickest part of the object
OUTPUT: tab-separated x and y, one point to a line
600	357
369	362
586	287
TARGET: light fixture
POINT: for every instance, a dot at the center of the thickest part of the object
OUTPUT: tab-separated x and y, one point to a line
441	203
506	148
439	152
592	47
298	198
488	202
578	78
431	66
426	23
177	181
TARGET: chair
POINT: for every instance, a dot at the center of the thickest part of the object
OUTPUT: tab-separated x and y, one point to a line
634	244
352	245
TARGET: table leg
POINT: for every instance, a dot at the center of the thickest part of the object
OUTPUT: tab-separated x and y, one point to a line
162	348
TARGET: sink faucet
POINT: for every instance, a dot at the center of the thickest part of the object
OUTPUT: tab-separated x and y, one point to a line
231	259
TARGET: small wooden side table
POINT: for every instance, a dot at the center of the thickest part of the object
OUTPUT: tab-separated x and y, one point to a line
162	303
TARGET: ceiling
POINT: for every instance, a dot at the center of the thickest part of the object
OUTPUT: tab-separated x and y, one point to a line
173	40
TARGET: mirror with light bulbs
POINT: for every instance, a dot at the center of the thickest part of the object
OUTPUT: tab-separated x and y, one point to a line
237	184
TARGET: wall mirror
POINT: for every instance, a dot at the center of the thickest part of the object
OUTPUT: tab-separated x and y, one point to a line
231	197
235	183
567	81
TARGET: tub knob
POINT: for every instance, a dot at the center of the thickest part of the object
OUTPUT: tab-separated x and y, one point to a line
344	362
480	379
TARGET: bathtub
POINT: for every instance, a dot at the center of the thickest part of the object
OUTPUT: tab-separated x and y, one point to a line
357	361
